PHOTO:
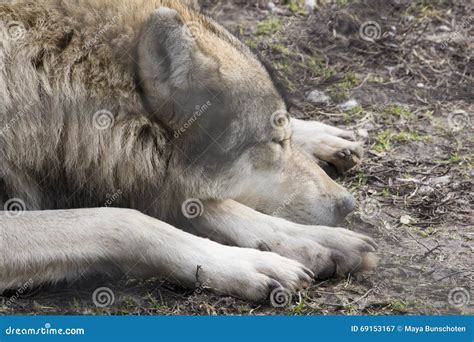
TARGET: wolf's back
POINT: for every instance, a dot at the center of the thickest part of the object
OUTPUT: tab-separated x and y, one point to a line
65	67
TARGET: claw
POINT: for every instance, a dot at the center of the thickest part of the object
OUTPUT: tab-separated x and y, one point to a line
309	272
372	242
366	247
274	285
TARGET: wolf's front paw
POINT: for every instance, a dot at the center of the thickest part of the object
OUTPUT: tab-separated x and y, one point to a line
327	144
349	252
326	251
341	153
251	274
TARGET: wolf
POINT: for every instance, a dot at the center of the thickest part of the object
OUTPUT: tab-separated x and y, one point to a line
141	137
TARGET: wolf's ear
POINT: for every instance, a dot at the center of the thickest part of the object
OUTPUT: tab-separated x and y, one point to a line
169	58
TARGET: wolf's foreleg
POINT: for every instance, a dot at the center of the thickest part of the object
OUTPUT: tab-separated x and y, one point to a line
326	251
51	246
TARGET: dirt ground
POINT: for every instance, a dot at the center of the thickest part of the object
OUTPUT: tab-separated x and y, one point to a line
409	67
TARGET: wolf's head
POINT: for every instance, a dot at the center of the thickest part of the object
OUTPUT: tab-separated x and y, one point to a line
231	132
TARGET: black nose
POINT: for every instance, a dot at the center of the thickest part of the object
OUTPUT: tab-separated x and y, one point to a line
346	206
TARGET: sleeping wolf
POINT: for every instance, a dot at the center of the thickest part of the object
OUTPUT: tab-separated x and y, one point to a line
124	120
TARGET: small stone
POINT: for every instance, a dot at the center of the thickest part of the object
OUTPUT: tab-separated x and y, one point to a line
405	219
425	190
271	6
318	97
391	68
363	133
440	180
309	5
348	105
420	85
444	28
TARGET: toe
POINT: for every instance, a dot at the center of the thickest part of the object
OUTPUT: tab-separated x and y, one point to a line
273	284
341	154
330	268
349	135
